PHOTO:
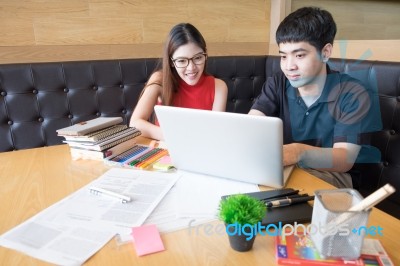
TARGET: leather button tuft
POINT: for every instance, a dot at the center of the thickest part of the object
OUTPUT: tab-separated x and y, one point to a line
40	119
3	93
124	111
98	114
34	91
252	77
233	78
233	100
66	90
392	132
70	116
121	86
398	98
95	88
386	164
10	122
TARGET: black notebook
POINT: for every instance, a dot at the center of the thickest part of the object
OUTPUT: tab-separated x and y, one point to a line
300	212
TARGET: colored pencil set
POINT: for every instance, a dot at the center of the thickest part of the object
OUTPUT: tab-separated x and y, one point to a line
138	157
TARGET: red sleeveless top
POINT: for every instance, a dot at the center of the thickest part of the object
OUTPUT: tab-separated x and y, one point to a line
199	96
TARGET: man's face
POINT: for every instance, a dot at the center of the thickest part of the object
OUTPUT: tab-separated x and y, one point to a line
301	63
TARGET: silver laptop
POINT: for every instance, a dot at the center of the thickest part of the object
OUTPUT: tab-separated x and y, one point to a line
237	146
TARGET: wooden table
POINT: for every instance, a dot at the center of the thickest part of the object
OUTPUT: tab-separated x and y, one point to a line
32	180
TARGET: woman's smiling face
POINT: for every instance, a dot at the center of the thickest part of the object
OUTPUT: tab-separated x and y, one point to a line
192	72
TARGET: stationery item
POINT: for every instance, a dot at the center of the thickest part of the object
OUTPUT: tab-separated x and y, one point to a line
373	253
72	230
147	158
365	204
127	156
147	239
288	201
102	191
86	127
374	198
298	249
252	153
281	193
300	213
114	140
199	195
164	164
330	207
82	153
79	153
97	135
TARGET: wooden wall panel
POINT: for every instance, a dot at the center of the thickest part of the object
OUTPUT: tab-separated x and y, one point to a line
361	19
16	32
57	30
54	30
73	31
43	8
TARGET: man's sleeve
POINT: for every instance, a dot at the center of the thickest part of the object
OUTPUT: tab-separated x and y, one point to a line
268	101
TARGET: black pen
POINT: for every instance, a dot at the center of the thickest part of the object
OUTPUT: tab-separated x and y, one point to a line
286	202
288	197
293	192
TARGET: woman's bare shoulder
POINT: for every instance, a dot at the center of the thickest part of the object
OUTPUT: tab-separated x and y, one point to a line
220	85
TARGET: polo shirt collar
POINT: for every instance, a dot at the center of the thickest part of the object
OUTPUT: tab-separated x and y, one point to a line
332	80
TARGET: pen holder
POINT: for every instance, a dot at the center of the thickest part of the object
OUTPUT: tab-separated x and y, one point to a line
338	233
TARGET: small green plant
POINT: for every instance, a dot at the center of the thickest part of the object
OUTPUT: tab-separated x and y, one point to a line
241	209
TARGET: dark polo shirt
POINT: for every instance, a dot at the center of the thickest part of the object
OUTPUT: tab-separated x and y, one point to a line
345	112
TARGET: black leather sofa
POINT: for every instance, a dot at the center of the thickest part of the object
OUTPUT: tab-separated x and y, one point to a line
36	99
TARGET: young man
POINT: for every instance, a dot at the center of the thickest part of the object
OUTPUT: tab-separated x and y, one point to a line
324	113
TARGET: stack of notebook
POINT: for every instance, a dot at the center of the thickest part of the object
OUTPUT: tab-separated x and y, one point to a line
99	138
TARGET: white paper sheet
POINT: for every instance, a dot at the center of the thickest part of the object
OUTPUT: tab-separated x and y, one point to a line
199	195
73	229
192	201
57	244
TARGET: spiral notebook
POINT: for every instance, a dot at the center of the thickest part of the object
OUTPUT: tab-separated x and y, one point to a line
97	135
86	127
109	142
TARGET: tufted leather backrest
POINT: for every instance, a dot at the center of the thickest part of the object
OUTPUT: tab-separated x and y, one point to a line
37	99
244	76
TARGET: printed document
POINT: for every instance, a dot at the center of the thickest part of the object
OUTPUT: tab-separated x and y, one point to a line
73	229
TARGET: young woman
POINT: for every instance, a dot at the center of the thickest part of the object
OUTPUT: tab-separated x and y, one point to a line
180	80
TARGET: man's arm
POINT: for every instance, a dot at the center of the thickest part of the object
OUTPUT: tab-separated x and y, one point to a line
340	158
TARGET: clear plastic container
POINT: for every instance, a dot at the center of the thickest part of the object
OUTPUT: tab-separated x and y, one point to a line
337	232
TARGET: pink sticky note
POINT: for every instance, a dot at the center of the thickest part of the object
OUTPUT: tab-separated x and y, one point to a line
166	160
147	239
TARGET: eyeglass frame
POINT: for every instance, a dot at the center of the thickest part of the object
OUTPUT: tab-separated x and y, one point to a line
189	59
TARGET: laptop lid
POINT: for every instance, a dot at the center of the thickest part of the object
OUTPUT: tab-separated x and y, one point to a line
230	145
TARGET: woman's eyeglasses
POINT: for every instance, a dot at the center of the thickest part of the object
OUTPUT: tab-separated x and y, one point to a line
198	59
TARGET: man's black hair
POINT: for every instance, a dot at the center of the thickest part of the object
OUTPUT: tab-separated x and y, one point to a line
307	24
